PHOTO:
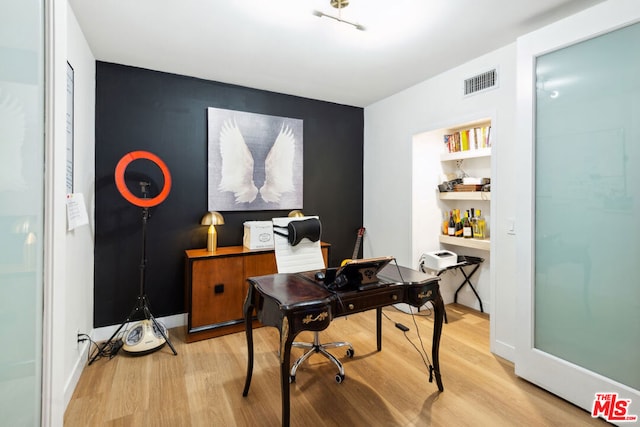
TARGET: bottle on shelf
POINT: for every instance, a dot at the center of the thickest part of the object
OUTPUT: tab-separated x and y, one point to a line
482	225
476	230
445	223
474	223
451	228
458	224
467	231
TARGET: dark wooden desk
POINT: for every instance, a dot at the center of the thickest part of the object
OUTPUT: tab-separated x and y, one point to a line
296	302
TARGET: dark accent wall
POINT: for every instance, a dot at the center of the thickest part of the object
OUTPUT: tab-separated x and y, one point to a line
166	114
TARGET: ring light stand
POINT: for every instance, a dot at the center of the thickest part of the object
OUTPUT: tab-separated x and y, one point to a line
148	335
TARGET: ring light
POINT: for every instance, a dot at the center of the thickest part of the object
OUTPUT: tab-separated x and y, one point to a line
148	335
124	190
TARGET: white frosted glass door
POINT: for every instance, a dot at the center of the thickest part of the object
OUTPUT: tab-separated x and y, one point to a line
21	210
587	205
578	216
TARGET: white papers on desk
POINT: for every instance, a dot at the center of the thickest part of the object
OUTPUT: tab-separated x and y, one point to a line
76	211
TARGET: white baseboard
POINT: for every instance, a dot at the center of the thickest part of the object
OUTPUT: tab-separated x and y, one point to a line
104	333
504	350
78	367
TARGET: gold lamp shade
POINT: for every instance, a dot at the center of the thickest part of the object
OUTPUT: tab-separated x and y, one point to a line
212	219
296	214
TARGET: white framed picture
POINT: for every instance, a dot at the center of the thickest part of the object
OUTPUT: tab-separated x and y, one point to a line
254	161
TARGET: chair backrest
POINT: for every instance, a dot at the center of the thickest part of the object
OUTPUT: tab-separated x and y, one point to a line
301	250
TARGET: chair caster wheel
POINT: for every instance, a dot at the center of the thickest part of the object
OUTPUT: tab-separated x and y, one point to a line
339	378
292	379
350	353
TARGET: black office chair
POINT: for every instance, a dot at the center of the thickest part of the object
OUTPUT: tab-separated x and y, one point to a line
297	249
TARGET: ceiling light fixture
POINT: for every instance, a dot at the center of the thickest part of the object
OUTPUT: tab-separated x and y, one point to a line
339	4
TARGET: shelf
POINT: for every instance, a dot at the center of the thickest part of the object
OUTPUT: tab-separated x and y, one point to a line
465	195
484	245
470	154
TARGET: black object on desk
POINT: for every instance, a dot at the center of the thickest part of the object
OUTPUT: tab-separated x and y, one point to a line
297	302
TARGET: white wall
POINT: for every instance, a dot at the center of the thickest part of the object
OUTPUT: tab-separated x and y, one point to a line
68	254
71	284
389	128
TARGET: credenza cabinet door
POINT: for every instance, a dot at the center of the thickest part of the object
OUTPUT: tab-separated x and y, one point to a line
217	287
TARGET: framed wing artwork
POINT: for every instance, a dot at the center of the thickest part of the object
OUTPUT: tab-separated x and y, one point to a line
255	161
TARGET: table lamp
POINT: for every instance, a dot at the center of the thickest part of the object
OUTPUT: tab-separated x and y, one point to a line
212	219
296	214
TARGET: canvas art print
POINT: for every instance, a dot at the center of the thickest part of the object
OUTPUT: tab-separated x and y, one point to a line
255	161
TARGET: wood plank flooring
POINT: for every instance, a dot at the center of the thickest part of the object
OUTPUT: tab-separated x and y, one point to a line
202	386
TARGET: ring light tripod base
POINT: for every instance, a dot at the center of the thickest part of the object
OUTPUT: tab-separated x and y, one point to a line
144	338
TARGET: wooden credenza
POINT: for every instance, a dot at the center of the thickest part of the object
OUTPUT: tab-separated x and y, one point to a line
216	286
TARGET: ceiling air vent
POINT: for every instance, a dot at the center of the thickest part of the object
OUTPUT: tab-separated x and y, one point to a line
481	82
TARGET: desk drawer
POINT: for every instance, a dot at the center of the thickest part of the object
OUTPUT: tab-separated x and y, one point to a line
315	318
372	299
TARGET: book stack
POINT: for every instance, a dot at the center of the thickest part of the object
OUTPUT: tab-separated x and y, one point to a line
468	139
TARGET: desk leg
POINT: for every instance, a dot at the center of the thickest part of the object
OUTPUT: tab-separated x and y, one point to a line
248	311
439	312
286	339
379	327
445	310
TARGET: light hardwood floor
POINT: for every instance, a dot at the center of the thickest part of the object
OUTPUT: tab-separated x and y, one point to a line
202	386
